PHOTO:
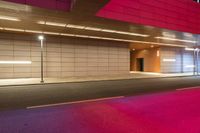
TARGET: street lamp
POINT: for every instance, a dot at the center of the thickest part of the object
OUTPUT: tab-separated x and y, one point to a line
197	49
41	38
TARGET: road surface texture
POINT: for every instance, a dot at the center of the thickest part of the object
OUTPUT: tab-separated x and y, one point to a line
18	97
176	111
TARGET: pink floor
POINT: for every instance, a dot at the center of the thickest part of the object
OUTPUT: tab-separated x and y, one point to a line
169	112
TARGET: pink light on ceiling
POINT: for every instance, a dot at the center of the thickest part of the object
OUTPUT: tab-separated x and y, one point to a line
170	14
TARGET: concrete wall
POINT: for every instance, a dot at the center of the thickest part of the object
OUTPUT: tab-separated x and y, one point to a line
184	60
151	60
64	57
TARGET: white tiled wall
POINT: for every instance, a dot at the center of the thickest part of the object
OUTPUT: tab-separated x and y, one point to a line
63	57
183	60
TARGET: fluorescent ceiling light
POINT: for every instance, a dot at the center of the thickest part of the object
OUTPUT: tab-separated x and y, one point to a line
189	49
51	33
65	34
169	34
9	18
15	62
133	34
82	36
169	60
162	44
110	31
52	23
174	39
93	37
189	66
33	31
75	26
93	29
13	29
90	28
41	22
55	24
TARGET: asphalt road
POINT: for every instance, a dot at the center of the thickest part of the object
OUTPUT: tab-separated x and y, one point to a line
17	97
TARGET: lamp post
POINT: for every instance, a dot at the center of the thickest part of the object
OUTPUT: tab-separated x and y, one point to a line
41	38
194	60
197	61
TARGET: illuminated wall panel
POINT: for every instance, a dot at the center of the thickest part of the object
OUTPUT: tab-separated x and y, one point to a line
183	60
63	57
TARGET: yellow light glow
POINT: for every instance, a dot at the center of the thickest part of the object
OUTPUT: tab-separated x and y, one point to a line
55	24
169	60
13	29
9	18
158	53
90	28
175	39
189	49
94	37
75	26
51	33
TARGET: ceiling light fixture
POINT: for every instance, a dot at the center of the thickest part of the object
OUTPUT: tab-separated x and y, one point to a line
41	22
90	28
51	33
169	60
190	66
9	18
15	62
33	31
93	29
189	49
56	24
110	31
82	36
75	26
174	39
93	37
13	29
65	34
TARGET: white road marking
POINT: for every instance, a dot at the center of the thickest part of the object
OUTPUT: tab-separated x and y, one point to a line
188	88
75	102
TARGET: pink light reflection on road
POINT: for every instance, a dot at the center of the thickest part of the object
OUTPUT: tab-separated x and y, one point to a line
169	112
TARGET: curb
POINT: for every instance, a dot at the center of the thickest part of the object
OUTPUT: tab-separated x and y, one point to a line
65	82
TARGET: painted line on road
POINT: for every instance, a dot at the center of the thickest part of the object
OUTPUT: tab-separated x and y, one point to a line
75	102
188	88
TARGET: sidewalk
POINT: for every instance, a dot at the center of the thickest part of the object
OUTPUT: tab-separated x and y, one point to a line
132	75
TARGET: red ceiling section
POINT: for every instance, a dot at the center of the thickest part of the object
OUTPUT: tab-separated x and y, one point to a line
180	15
